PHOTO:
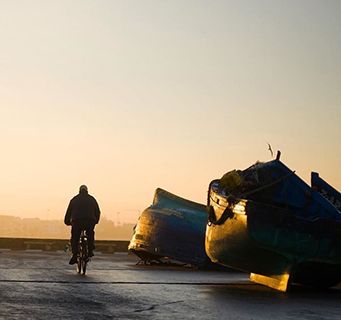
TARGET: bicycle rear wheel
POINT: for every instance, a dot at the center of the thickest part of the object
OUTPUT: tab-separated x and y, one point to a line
79	264
83	255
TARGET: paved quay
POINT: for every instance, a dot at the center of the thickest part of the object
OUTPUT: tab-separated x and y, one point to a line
41	285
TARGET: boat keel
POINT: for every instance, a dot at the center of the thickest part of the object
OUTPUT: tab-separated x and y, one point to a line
278	282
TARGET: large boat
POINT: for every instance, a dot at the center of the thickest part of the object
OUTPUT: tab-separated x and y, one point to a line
172	229
266	221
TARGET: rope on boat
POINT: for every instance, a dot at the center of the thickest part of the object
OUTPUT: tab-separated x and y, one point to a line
246	194
228	213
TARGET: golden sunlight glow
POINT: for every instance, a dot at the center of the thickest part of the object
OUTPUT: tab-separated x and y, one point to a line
126	97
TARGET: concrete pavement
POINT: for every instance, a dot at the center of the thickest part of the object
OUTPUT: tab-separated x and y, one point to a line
41	285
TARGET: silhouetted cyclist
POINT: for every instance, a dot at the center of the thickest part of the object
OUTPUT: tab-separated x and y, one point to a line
82	214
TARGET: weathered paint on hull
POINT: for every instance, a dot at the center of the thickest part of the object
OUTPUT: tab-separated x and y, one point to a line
233	245
172	227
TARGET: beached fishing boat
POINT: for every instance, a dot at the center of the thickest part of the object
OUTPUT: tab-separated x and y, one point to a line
266	221
171	229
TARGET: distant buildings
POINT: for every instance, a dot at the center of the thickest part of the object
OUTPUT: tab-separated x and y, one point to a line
14	227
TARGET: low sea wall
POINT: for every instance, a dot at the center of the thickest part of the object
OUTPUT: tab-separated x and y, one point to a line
104	246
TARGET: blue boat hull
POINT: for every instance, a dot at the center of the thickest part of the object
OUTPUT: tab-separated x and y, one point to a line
173	228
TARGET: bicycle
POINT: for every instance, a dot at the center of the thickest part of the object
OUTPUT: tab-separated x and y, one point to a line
83	253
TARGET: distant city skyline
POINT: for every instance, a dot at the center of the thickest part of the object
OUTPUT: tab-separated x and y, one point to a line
128	96
15	227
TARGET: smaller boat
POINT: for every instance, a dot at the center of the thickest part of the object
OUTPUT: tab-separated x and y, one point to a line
267	221
326	190
171	229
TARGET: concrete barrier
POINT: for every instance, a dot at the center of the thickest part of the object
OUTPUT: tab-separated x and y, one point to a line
104	246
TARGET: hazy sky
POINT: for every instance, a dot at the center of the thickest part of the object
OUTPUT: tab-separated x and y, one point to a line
127	96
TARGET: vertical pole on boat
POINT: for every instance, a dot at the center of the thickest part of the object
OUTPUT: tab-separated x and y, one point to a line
278	155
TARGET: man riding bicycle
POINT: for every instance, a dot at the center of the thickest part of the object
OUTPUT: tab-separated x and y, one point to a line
82	214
